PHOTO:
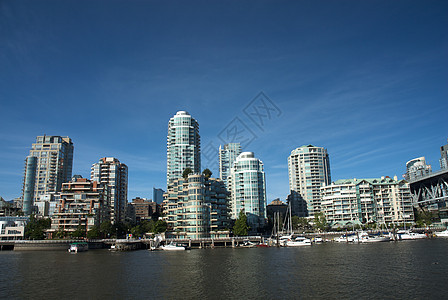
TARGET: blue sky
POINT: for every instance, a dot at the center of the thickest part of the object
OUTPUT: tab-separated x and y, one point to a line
365	79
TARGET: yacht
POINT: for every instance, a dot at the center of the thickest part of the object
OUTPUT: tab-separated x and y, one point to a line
78	247
346	238
364	237
247	244
442	233
318	240
298	241
173	247
409	235
284	239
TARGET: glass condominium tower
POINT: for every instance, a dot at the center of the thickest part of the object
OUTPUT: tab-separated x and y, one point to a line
227	156
247	185
183	146
309	170
48	166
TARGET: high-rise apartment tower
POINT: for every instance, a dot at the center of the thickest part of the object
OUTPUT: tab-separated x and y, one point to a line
417	168
247	185
309	170
444	157
227	156
112	173
48	166
183	146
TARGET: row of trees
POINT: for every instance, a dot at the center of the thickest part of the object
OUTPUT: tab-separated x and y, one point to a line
36	227
108	230
241	227
207	173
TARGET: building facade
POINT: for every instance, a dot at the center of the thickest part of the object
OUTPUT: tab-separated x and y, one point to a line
8	209
298	204
82	203
157	195
112	173
195	207
144	209
417	168
12	228
47	167
444	157
276	206
46	205
247	185
361	201
309	170
183	146
227	156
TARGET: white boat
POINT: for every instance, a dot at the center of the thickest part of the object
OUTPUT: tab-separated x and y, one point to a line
364	237
409	235
346	238
78	247
442	233
318	240
173	247
283	239
298	241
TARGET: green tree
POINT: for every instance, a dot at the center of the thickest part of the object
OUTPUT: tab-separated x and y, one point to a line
136	231
107	230
122	229
207	173
160	226
187	172
94	232
320	222
423	218
79	232
241	228
147	226
35	229
300	223
60	234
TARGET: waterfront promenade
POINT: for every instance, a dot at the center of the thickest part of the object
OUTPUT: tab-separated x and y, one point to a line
135	244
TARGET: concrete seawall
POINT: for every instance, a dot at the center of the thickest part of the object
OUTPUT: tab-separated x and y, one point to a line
52	245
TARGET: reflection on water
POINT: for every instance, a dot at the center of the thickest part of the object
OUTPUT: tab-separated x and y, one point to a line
414	269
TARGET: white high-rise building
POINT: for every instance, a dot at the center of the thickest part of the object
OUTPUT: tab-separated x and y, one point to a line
247	185
183	146
48	166
309	170
361	201
444	157
227	156
114	175
417	168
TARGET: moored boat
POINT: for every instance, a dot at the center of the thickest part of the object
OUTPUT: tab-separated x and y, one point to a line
78	247
366	238
409	235
318	240
298	241
346	238
263	245
442	233
173	247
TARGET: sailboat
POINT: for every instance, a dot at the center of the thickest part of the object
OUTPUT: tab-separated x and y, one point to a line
288	240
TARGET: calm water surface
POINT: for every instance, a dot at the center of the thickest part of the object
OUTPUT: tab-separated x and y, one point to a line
404	270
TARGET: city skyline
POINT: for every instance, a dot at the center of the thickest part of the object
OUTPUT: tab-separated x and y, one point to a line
374	95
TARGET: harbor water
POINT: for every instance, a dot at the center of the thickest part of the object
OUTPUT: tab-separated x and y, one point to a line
403	270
